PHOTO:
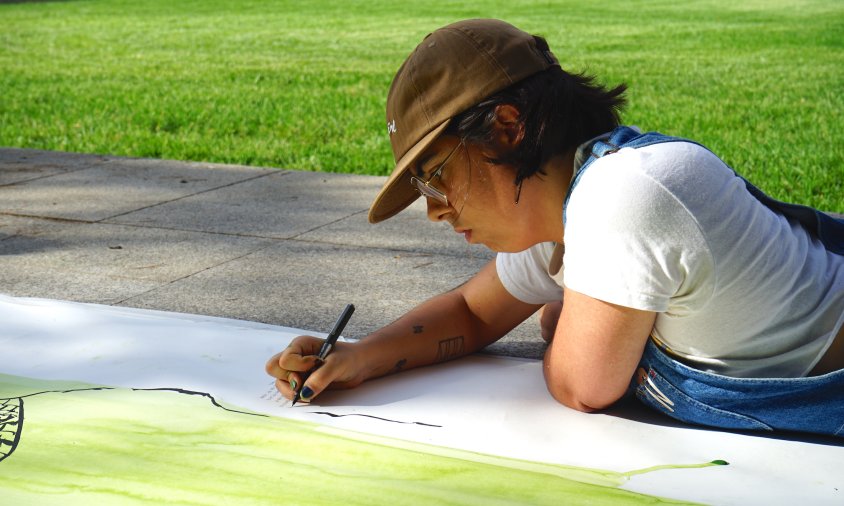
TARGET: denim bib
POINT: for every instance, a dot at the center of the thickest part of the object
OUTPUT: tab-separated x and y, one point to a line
813	404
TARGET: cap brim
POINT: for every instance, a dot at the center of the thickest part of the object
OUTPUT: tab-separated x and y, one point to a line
397	193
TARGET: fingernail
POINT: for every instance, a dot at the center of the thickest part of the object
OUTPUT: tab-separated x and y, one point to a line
306	393
293	384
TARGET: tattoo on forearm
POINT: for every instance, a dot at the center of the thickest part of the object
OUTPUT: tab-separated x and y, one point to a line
450	348
417	329
398	367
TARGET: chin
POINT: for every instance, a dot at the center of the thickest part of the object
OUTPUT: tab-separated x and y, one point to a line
500	248
510	247
507	250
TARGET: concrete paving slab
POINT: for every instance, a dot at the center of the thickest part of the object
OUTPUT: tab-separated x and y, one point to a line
281	205
19	165
410	230
305	284
108	187
329	208
104	263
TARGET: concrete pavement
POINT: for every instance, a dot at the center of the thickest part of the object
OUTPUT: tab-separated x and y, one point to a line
276	246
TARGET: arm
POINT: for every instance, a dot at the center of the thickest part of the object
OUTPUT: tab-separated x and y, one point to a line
445	327
596	348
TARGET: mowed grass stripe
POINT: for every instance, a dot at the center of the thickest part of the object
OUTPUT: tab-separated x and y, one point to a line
302	84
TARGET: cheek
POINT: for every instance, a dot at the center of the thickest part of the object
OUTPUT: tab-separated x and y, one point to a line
488	195
461	194
496	200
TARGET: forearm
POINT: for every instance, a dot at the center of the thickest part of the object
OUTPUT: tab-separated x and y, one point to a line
443	328
440	329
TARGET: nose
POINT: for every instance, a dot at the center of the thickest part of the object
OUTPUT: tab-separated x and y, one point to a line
437	211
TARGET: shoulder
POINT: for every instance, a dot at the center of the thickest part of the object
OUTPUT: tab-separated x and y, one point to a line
651	182
632	233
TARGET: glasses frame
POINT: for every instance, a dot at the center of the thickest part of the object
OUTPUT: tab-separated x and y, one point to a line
424	186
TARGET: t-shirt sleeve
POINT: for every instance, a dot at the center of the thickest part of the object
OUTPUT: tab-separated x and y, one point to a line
629	241
525	274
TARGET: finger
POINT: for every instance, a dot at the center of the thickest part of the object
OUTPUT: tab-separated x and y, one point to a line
305	345
298	356
291	384
283	386
307	394
294	362
274	368
295	380
318	381
276	371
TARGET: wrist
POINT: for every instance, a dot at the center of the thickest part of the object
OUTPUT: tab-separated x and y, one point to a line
363	352
376	357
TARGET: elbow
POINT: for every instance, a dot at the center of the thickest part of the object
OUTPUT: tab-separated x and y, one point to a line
577	402
584	396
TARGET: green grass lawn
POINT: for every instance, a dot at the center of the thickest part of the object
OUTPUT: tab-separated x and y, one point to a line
302	84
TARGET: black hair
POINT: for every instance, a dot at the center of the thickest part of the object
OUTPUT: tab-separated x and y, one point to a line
559	110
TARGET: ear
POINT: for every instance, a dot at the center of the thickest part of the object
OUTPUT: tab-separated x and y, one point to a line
509	129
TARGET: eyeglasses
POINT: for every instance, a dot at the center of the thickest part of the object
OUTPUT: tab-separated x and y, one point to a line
424	186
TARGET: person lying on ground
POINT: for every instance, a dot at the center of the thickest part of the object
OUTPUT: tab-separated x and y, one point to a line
661	271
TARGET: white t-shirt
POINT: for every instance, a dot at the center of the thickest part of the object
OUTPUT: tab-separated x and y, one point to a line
739	289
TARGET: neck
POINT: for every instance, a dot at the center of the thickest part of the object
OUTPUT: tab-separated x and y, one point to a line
549	191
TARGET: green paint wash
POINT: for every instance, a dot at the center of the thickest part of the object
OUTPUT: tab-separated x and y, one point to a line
119	446
676	466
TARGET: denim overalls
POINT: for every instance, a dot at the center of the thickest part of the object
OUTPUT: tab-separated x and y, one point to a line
812	404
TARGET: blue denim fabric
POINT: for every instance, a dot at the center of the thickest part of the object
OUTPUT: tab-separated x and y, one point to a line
813	404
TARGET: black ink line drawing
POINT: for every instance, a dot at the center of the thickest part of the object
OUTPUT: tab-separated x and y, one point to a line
201	394
335	415
11	423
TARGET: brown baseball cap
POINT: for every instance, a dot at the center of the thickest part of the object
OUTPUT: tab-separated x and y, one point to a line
451	70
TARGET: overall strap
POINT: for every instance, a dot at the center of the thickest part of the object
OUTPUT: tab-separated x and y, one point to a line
828	230
621	137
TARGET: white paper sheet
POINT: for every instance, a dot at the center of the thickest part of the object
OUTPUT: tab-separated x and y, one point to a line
486	404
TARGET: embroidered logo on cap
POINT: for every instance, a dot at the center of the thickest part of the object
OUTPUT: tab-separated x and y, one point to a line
391	127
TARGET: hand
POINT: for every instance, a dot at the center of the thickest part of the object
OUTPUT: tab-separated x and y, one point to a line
342	368
549	315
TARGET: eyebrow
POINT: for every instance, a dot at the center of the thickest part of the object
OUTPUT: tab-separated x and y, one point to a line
420	162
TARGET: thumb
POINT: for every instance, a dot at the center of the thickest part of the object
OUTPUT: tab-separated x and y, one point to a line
315	383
